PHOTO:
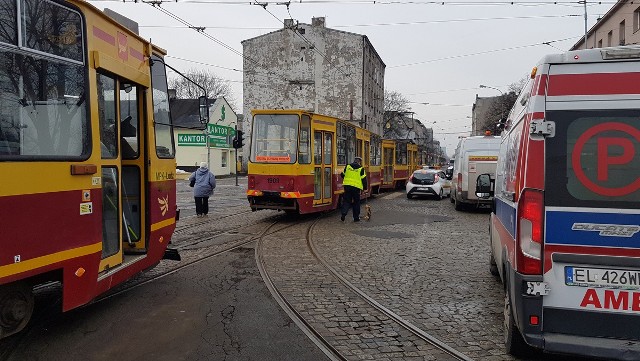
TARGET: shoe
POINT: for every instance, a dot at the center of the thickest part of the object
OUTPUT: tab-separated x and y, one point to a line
357	220
342	217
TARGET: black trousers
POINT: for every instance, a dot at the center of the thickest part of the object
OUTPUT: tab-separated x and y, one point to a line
202	205
351	198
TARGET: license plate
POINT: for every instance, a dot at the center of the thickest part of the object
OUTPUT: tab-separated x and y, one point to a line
601	277
423	189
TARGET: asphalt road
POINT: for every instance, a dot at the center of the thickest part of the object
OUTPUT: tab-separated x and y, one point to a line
219	309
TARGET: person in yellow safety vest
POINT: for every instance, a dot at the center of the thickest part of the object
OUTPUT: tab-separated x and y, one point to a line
354	182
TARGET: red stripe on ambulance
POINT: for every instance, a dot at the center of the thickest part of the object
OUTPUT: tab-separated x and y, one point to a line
593	84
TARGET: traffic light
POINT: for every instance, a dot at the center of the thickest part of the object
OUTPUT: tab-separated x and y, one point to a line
238	140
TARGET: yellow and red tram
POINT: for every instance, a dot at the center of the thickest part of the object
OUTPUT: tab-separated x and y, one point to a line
88	196
296	158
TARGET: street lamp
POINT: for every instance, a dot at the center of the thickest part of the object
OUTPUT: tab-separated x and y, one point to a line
501	100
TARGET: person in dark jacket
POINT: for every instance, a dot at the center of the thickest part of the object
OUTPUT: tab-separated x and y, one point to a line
204	182
354	182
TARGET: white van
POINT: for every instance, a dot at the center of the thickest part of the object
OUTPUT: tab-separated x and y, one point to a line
474	155
565	226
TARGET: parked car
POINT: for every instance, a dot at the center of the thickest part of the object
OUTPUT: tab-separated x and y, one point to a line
428	182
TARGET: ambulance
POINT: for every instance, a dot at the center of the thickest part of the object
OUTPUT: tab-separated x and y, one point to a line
565	221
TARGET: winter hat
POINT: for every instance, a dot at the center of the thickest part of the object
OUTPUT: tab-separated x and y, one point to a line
203	165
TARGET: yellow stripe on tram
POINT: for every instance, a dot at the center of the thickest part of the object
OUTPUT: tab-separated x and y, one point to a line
38	262
162	224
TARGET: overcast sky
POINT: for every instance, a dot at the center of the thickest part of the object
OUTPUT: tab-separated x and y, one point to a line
435	52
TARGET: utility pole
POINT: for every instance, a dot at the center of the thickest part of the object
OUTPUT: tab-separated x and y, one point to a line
585	24
236	129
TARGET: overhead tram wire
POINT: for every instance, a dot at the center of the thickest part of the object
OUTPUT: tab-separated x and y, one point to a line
201	30
388	24
576	3
481	53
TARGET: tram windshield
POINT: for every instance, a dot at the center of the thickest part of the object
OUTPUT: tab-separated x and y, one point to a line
274	138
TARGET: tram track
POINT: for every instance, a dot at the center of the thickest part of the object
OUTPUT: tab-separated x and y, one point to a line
187	264
312	333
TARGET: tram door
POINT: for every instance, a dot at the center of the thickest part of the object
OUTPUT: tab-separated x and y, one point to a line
388	165
367	159
323	167
118	104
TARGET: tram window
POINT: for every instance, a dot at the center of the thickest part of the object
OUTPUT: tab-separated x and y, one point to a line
131	212
110	212
317	148
328	138
129	121
351	144
161	116
341	144
107	116
61	27
304	155
9	21
43	113
274	138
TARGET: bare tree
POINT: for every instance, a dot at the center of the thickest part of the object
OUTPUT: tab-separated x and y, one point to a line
395	102
501	106
213	84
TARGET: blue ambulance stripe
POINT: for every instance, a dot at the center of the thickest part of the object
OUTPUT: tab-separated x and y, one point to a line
506	213
558	229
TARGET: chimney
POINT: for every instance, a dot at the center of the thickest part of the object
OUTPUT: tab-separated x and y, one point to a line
318	22
288	23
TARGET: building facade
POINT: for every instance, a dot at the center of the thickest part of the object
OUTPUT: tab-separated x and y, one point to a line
312	67
619	26
479	113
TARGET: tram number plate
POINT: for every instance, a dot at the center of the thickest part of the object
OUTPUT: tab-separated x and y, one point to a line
601	277
273	180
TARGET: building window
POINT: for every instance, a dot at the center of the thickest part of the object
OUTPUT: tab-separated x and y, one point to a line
609	38
600	43
621	34
636	19
223	160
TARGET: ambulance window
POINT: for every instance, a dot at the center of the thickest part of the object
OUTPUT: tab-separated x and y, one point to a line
598	152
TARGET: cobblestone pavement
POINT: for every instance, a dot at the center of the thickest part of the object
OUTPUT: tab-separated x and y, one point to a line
419	258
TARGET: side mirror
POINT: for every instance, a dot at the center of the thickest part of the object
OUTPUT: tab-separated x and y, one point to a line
204	109
484	186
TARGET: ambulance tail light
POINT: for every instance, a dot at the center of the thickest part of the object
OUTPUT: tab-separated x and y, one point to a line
530	231
459	185
252	182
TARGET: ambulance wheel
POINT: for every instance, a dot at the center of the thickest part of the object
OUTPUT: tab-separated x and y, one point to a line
493	267
458	205
513	341
16	307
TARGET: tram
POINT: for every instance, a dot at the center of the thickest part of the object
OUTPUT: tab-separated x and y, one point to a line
296	158
88	195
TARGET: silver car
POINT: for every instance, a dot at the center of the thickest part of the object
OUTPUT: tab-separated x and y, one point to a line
428	182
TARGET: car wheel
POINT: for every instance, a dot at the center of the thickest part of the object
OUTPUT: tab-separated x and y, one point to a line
513	341
408	196
440	196
451	198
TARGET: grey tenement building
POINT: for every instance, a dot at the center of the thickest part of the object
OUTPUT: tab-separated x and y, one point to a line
312	67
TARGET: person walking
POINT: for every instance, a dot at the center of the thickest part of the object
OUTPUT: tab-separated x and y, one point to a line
354	181
203	183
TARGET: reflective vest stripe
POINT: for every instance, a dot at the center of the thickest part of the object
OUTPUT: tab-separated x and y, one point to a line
353	177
